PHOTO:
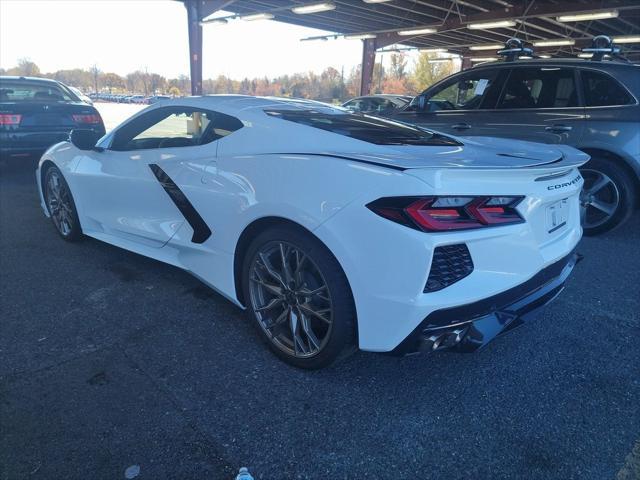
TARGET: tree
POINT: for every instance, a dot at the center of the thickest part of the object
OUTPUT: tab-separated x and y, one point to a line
399	65
113	81
25	68
426	74
96	73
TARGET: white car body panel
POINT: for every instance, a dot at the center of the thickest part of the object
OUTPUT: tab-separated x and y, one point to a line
276	168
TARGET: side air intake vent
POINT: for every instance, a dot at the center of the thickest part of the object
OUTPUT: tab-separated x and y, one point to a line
450	264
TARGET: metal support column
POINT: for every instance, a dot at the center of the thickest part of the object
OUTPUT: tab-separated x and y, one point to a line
466	63
368	61
195	45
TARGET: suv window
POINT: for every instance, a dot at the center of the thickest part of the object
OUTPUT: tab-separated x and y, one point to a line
466	92
540	87
174	127
364	127
601	90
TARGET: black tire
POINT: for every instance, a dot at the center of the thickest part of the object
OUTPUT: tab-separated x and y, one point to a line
63	214
339	339
619	191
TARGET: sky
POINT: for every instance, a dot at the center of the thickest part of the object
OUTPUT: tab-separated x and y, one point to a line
125	35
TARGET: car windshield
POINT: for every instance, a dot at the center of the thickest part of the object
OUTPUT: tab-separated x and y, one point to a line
364	127
12	91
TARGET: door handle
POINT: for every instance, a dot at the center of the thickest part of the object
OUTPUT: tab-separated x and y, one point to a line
461	126
558	128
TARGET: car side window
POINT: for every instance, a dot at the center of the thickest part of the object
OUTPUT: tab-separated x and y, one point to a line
172	127
540	87
601	90
467	92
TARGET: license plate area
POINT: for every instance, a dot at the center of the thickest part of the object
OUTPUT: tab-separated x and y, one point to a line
557	215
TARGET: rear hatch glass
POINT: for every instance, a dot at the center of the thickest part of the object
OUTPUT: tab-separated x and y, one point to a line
19	92
364	127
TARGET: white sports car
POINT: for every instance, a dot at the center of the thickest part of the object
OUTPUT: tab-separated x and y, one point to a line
335	230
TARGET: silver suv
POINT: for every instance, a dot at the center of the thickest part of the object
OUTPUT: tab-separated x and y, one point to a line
591	105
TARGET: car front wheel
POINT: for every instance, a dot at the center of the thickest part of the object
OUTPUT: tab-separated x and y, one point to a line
607	197
60	205
299	298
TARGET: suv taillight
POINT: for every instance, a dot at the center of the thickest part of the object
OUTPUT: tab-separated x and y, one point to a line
10	119
444	213
92	118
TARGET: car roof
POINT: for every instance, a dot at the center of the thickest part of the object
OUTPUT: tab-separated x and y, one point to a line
243	104
603	64
29	79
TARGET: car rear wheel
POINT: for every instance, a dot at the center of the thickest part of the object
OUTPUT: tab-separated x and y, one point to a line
60	205
299	298
607	197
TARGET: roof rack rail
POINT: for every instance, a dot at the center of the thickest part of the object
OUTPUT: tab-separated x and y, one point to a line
603	45
514	48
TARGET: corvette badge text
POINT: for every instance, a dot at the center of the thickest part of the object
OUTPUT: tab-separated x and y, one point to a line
565	184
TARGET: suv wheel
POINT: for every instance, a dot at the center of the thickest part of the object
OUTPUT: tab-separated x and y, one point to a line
607	197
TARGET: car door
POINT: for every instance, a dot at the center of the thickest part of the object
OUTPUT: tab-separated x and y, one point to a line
127	190
540	104
457	106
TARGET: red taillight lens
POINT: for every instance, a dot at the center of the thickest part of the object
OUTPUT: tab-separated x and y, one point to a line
439	214
10	119
92	118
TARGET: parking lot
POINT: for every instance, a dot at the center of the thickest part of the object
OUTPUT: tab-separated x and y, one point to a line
111	360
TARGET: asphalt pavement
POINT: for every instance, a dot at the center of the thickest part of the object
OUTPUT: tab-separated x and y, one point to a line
110	362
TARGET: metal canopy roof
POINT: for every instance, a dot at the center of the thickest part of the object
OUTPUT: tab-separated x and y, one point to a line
536	20
451	24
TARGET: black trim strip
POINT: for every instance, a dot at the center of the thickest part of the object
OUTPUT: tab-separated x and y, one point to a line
201	231
384	165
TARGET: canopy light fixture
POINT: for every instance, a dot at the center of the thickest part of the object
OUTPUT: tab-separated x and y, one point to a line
360	36
488	25
493	46
416	31
544	56
432	50
257	16
554	43
439	60
214	21
375	1
314	8
583	17
483	59
585	55
627	39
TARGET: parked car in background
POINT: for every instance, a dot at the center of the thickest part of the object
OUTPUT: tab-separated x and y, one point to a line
157	98
591	105
85	98
35	113
384	104
384	236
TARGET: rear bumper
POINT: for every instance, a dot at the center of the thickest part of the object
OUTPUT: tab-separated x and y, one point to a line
16	142
469	327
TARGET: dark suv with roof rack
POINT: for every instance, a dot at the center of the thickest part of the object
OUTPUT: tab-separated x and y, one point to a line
591	105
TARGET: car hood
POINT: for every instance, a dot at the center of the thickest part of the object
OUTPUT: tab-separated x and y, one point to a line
476	153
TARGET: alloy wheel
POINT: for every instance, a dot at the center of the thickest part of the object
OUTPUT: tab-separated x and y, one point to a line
291	299
599	199
59	203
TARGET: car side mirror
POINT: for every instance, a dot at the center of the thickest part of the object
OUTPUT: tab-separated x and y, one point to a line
423	103
83	139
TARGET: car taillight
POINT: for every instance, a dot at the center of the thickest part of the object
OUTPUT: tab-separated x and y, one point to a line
87	118
444	213
10	119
